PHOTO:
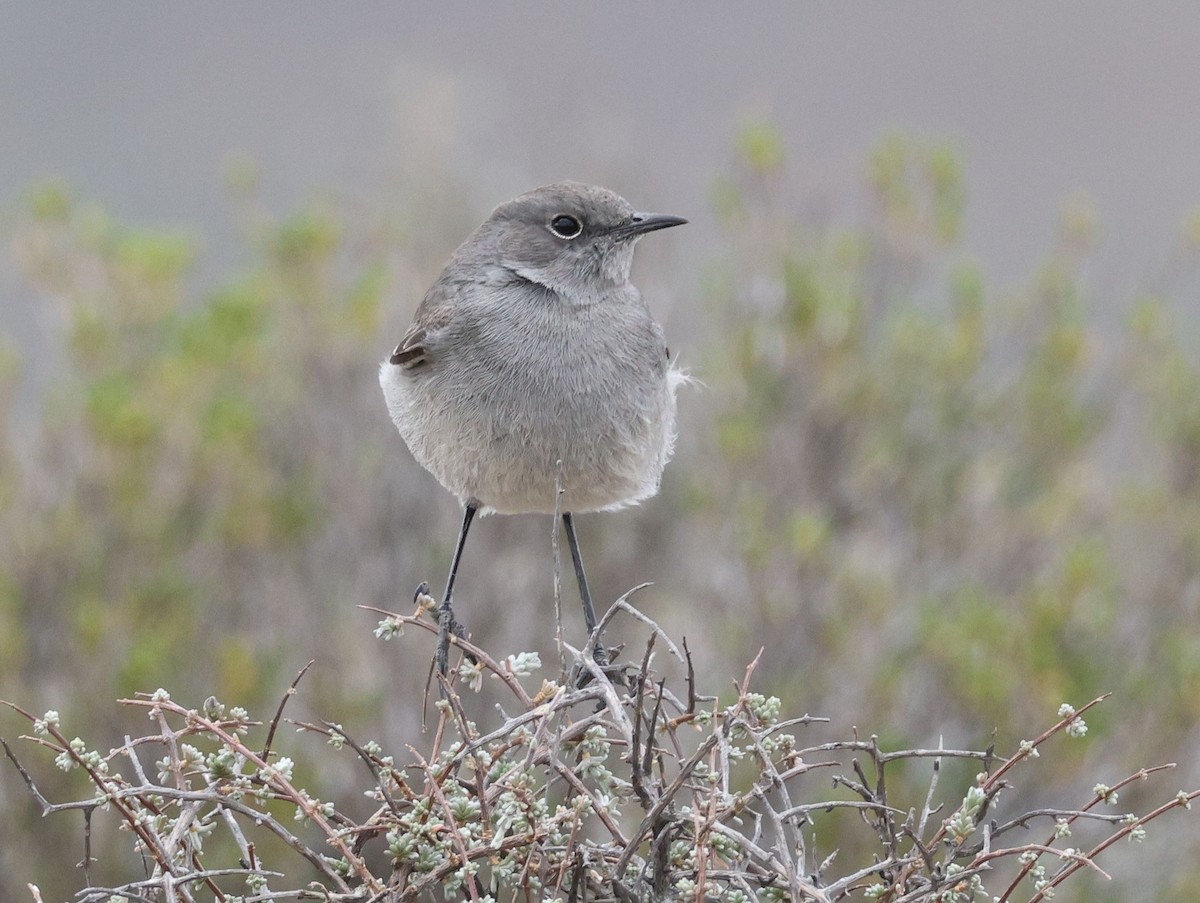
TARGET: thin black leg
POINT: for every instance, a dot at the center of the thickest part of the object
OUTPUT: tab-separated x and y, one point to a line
589	613
446	621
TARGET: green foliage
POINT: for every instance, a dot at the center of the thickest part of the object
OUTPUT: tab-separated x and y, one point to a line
760	147
930	491
170	416
919	188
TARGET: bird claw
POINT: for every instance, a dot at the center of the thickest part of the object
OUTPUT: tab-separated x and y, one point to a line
582	676
422	599
447	625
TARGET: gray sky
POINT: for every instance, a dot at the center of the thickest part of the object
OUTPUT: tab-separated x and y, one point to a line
137	105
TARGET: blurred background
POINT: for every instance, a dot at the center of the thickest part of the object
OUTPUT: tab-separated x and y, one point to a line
939	288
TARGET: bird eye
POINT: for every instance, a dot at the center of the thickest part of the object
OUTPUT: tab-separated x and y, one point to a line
566	226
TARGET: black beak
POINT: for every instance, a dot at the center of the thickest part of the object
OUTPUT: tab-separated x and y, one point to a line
647	222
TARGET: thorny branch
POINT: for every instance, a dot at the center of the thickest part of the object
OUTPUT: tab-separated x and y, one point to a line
661	793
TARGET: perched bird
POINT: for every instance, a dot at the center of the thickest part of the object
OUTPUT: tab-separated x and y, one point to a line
533	366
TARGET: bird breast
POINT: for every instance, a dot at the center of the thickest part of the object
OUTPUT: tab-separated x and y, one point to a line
513	388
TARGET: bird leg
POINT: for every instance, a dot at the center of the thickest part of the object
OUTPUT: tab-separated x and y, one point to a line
589	613
446	622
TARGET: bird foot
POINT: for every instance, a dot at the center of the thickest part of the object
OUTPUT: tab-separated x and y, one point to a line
422	599
446	626
581	676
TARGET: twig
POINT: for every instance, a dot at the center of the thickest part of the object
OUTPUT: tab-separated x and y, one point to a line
638	772
927	809
1181	800
46	805
288	694
691	680
452	824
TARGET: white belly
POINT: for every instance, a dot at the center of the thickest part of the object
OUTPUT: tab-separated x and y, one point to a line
514	445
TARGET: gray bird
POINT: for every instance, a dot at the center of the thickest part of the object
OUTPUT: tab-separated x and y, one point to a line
533	364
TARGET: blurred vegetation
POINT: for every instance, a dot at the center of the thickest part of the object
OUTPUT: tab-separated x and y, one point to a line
943	507
985	496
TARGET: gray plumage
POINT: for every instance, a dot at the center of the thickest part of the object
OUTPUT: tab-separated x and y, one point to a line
533	347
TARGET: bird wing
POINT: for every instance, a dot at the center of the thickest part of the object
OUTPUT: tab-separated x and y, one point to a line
410	353
432	314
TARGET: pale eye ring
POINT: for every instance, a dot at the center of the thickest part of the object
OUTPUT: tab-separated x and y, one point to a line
566	226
